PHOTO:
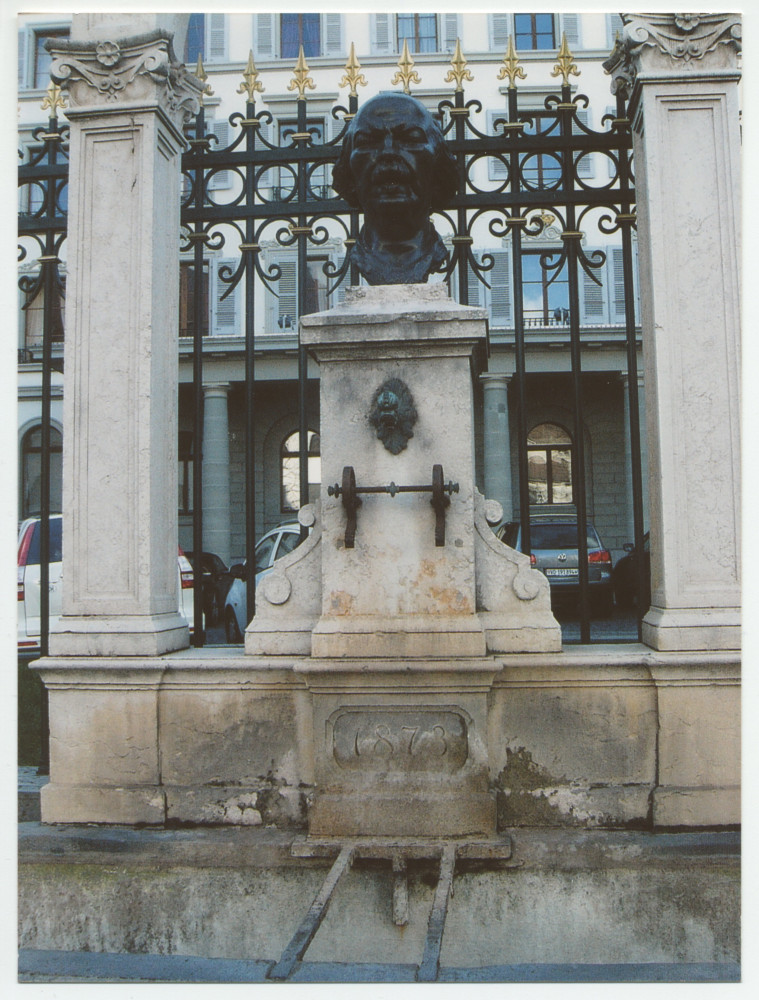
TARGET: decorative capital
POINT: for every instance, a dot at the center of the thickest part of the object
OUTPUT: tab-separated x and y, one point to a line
458	73
565	66
301	79
138	70
406	73
511	67
353	75
671	38
251	85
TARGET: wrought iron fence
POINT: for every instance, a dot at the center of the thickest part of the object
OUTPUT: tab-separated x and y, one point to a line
520	174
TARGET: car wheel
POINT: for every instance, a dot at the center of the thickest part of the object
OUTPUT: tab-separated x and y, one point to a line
231	627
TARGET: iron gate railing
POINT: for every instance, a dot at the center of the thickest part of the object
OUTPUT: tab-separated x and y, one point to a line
278	195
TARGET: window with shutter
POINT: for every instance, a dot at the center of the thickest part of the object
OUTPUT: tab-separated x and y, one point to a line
614	26
569	25
475	287
22	46
263	36
332	35
585	166
499	279
534	31
284	315
593	296
216	29
225	318
500	29
611	165
222	178
618	279
451	30
382	36
497	170
267	178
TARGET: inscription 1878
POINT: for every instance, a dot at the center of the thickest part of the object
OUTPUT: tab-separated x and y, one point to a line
400	740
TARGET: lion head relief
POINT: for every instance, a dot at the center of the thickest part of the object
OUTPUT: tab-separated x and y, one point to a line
393	414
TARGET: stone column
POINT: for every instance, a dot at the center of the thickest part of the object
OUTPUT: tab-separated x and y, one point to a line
216	503
681	73
128	99
497	443
625	380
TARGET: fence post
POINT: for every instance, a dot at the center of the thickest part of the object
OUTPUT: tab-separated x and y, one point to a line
681	71
129	98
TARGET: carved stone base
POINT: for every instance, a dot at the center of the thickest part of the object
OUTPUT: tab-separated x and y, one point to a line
400	749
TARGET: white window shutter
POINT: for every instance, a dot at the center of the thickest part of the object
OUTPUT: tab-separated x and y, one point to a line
451	31
593	295
382	34
225	309
497	169
500	29
499	278
585	165
216	37
614	25
285	297
264	36
332	35
611	164
617	303
569	25
475	287
222	178
23	42
267	178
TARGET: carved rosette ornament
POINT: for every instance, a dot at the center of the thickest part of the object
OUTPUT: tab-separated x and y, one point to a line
678	36
141	70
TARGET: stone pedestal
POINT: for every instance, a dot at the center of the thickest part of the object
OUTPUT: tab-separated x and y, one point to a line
682	75
128	100
400	751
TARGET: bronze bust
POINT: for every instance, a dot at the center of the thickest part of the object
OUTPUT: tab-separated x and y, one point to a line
395	167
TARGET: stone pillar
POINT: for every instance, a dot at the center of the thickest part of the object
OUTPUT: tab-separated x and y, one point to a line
216	502
495	390
128	98
681	73
629	526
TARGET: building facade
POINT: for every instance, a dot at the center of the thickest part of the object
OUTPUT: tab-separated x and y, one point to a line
225	42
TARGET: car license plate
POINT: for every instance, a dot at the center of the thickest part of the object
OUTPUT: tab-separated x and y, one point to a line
561	572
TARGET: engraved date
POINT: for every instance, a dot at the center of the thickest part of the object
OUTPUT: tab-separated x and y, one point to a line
400	740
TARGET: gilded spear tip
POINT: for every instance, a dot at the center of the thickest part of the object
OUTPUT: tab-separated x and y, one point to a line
511	67
251	85
458	72
565	65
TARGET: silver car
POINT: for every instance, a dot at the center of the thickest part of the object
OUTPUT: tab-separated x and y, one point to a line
554	552
273	545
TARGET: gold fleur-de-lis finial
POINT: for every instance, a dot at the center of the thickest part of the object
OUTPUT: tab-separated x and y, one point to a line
54	99
251	84
511	67
458	72
406	73
565	65
353	75
201	74
301	79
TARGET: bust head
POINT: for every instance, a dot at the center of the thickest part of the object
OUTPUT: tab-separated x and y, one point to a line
394	165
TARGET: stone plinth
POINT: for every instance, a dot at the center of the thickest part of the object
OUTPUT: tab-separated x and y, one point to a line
400	749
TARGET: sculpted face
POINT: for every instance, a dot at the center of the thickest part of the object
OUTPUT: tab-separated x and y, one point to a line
392	159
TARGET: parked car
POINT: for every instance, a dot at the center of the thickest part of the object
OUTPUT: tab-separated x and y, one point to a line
625	577
215	582
28	572
273	545
554	551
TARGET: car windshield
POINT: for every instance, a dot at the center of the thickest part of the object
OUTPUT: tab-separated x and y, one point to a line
559	536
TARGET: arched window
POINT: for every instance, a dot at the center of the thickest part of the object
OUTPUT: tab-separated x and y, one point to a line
549	464
290	470
31	471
